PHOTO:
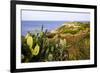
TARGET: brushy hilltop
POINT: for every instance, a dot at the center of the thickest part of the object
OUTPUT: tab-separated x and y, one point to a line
71	27
71	41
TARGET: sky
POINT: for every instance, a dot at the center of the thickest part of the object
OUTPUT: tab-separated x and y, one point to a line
29	15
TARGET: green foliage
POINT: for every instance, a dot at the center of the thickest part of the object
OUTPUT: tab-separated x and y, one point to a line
46	46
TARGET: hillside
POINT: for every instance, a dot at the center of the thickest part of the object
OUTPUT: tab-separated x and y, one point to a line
77	36
71	27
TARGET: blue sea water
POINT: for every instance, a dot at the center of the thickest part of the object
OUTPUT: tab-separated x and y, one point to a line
37	25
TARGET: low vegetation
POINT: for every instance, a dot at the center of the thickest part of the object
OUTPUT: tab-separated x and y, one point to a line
71	41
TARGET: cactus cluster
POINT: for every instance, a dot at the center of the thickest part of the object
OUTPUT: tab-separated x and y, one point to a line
39	48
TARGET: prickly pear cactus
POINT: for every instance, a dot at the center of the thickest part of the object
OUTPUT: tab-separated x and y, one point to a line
36	50
30	41
50	57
